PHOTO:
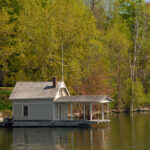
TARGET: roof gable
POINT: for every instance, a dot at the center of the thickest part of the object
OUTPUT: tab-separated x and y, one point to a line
34	90
62	86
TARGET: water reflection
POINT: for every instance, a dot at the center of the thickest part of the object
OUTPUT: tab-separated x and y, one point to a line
125	132
39	139
5	139
57	139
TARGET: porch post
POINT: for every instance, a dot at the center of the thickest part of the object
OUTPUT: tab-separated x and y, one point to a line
107	107
102	111
91	111
71	112
84	111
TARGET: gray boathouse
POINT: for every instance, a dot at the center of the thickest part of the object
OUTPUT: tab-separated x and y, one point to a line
47	104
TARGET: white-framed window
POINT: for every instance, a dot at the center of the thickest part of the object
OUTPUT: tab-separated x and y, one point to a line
25	110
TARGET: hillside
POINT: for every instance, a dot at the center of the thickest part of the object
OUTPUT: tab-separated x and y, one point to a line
105	51
5	104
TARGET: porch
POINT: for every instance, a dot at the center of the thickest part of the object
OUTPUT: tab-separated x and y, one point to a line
83	100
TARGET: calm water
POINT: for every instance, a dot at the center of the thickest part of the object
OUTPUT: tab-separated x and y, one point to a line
125	132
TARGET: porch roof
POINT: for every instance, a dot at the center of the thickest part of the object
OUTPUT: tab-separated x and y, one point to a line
84	99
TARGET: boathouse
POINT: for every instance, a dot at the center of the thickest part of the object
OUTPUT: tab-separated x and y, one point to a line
48	102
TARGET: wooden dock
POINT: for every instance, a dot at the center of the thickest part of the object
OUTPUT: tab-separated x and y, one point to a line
56	123
59	123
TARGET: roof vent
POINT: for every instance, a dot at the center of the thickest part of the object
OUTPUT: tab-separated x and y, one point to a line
54	82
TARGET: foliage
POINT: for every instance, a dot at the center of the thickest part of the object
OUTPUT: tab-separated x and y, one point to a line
6	32
42	35
105	49
138	94
5	104
118	46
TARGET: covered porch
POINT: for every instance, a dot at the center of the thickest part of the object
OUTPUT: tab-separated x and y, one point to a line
84	100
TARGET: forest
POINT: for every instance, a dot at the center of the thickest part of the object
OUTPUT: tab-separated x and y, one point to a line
106	46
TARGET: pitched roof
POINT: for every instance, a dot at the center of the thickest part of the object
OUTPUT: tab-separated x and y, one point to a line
34	90
84	98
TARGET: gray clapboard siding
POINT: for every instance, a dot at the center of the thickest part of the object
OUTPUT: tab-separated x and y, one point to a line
39	110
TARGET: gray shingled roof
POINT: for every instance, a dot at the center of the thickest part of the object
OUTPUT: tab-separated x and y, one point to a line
34	90
84	98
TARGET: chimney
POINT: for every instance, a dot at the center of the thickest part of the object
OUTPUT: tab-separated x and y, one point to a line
54	82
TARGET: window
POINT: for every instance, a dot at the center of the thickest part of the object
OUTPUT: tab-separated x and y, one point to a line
25	110
63	92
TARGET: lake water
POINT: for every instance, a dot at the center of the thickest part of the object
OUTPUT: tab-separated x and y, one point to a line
125	132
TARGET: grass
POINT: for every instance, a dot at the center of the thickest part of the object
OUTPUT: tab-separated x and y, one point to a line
5	92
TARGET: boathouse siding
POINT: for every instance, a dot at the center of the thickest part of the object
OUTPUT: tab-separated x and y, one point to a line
61	111
37	109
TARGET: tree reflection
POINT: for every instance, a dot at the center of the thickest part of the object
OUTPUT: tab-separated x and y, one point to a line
125	132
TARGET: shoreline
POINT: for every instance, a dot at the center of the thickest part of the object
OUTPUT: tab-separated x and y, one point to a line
144	109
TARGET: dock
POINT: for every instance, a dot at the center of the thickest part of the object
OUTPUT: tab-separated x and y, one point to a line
56	123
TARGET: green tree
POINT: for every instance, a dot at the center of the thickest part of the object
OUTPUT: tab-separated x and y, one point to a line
117	41
6	39
42	33
137	17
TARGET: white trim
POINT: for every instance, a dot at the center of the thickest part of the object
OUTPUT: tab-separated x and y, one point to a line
61	86
34	103
102	111
82	101
91	113
110	98
71	111
84	111
23	110
105	101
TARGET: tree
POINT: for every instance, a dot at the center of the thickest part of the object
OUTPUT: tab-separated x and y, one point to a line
43	30
136	16
6	39
118	43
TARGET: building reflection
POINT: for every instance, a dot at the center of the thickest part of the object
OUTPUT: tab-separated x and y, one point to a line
58	139
39	138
